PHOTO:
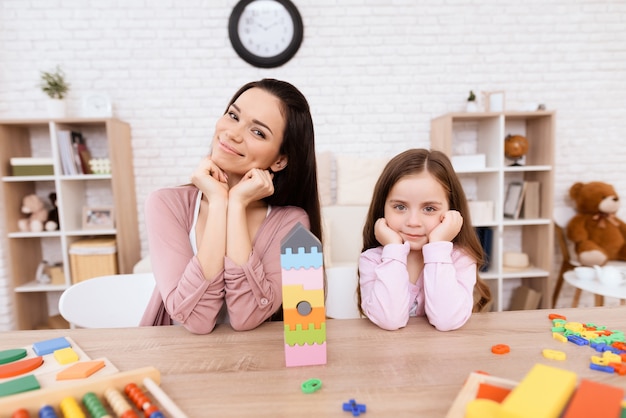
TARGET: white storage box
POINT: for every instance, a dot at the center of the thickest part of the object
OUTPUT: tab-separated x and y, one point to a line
468	162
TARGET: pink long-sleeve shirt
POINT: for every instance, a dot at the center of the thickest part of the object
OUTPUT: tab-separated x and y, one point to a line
443	292
252	291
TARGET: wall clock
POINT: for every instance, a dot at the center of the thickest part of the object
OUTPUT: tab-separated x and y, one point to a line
265	33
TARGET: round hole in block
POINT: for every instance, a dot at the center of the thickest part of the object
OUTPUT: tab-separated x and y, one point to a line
304	308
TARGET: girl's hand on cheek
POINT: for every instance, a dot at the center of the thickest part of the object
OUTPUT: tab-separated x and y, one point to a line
384	234
254	185
451	223
209	178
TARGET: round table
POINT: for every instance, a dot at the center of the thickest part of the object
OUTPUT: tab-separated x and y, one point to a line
595	287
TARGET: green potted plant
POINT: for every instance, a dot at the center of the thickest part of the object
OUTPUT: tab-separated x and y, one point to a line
471	102
55	86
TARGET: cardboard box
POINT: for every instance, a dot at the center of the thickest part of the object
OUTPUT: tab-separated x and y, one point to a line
32	166
93	257
525	298
56	274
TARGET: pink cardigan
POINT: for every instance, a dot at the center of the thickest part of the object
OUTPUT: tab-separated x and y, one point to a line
443	292
252	292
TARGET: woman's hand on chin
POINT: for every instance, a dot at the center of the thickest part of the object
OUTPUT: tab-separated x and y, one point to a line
253	186
210	179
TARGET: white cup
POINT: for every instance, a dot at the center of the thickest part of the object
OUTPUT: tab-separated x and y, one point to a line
585	273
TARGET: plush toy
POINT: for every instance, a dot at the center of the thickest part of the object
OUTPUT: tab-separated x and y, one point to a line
35	208
52	224
598	234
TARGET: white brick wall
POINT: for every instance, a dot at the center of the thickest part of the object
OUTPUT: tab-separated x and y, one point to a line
374	71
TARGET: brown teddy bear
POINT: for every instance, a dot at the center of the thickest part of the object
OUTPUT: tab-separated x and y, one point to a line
35	208
598	234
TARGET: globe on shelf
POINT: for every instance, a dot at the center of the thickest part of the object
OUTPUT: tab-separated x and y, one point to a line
515	147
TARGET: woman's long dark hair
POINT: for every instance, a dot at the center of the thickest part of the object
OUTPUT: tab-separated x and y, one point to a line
296	184
436	163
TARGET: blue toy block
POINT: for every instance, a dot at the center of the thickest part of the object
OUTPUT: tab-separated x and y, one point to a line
42	348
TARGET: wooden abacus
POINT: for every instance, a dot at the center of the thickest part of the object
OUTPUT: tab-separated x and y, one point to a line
147	377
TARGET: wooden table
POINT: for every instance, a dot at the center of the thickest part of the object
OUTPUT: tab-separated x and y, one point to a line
415	370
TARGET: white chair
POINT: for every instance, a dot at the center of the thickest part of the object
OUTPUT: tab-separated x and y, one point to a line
343	241
562	216
115	301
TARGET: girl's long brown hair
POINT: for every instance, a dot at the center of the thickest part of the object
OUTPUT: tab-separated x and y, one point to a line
436	163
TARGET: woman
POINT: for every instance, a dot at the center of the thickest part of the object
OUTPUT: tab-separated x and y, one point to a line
215	244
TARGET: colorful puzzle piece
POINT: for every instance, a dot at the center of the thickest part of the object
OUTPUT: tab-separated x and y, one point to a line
42	348
80	370
14	354
303	298
19	385
66	355
20	367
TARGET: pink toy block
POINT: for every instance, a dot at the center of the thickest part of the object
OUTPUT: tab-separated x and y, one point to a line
310	279
305	355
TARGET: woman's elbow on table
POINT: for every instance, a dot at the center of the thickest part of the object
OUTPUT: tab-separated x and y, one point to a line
199	327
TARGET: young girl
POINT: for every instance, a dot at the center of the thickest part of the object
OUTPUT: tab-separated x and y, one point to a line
215	244
420	253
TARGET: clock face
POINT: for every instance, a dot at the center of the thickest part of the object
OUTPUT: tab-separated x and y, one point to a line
265	33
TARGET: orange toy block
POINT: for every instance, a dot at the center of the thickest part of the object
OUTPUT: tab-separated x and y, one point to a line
20	367
292	317
594	399
492	392
80	370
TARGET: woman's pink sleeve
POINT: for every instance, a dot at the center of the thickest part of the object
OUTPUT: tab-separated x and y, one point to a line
189	298
254	289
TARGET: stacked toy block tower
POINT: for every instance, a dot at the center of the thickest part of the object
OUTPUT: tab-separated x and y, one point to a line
304	313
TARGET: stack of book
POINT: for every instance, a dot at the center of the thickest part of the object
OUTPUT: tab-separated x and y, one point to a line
73	152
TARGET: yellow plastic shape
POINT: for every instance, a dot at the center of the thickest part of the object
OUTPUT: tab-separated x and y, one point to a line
482	408
559	337
554	354
66	355
543	393
574	326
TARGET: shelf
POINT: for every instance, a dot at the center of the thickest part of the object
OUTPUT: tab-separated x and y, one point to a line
105	138
16	179
35	286
484	133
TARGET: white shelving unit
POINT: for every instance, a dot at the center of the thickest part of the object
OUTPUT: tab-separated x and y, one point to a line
106	138
484	133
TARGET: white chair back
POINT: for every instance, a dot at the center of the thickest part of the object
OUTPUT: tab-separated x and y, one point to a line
115	301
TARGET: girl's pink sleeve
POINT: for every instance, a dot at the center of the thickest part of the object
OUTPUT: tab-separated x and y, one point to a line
188	297
449	279
254	289
384	282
